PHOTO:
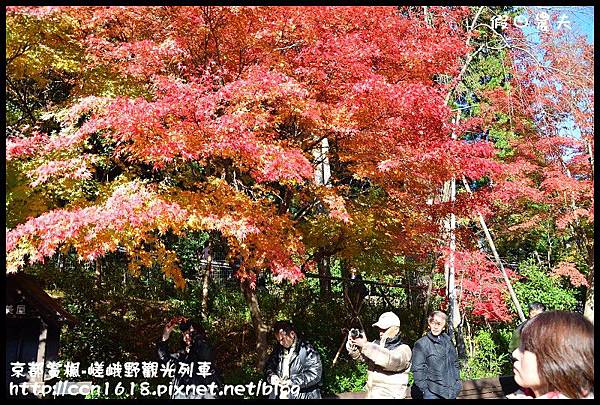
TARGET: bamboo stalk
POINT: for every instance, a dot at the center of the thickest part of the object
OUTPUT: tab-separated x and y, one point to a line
490	241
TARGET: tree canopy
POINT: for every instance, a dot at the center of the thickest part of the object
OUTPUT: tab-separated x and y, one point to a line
131	127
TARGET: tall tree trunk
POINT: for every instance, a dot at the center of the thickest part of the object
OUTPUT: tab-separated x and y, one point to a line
408	291
427	306
322	176
454	318
453	310
591	153
427	16
98	273
322	166
260	327
449	269
324	281
205	281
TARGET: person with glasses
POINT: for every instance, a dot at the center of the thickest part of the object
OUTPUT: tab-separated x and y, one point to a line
294	367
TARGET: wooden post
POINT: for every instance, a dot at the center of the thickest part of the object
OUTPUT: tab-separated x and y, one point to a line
41	353
490	241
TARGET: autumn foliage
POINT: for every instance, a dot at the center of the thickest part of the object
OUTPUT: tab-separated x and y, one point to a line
204	118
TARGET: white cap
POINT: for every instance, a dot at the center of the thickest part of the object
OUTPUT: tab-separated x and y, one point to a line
387	320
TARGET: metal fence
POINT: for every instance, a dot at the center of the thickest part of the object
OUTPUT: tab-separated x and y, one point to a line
220	270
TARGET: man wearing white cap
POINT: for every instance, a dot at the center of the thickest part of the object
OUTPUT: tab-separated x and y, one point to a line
387	358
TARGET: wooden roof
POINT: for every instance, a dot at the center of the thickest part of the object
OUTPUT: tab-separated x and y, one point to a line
31	289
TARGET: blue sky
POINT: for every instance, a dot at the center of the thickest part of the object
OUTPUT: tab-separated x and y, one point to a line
580	17
581	22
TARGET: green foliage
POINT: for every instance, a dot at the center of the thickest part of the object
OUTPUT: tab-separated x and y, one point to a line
346	377
42	58
502	139
22	201
489	356
538	286
189	250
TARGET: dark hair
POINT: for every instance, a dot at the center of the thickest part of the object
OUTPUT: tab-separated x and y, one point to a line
563	343
198	331
286	326
536	306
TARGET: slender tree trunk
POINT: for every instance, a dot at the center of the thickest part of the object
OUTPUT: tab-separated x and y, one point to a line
427	16
537	256
454	318
322	176
98	273
450	225
205	281
260	327
322	166
325	280
454	312
454	321
589	145
427	306
408	291
469	338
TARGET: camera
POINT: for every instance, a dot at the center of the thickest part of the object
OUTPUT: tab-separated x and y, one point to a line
355	333
185	325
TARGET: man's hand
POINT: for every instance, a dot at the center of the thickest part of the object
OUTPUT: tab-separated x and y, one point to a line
172	324
274	380
359	341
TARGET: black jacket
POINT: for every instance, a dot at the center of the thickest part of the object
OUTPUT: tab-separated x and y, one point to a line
305	369
435	365
200	352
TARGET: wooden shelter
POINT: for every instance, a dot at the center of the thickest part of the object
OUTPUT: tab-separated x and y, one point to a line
33	324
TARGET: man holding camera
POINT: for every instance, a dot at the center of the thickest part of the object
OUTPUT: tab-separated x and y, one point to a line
387	358
196	353
294	367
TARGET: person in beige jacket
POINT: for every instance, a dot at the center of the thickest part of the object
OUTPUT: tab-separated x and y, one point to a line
387	358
